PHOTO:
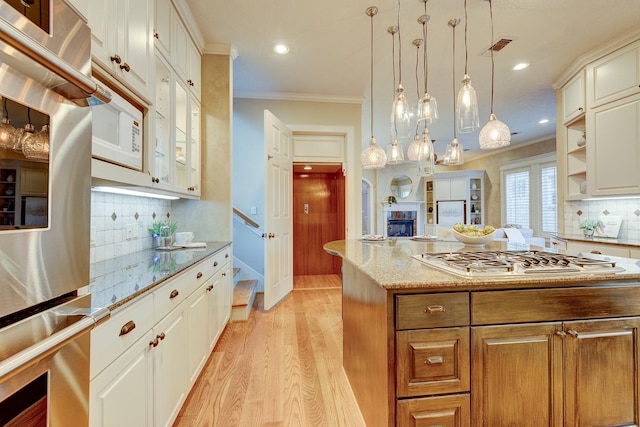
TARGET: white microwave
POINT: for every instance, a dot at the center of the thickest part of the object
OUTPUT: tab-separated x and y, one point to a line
117	132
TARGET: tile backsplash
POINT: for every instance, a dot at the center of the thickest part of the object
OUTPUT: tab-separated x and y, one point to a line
116	220
628	209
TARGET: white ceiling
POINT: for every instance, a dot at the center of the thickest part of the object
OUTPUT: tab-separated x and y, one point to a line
329	55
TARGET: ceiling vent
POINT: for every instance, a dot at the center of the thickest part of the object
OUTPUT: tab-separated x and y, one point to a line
498	46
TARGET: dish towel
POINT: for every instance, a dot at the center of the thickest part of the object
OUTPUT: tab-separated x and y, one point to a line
514	235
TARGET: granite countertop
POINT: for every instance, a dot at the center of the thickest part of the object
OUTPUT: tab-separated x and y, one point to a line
391	264
608	240
114	282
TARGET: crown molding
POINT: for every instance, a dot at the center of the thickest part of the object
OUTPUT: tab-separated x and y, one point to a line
306	97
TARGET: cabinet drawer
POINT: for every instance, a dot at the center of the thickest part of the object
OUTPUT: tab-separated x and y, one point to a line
110	339
539	305
450	411
176	290
432	361
432	310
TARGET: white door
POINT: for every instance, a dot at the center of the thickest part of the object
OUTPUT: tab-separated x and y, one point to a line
278	275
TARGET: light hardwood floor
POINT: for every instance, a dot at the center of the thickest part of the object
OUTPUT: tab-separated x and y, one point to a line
280	368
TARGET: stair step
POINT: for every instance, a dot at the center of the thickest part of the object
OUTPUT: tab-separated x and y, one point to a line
244	294
236	270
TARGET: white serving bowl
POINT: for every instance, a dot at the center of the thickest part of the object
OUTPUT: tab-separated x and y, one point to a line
473	240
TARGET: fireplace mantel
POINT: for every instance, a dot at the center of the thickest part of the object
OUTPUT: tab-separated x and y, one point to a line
413	206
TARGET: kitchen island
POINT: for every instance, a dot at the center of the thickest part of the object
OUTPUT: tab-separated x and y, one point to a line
423	346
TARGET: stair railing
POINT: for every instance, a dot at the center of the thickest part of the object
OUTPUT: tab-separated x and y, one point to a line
253	226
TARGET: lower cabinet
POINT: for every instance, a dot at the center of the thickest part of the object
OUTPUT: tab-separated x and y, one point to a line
449	411
148	355
556	374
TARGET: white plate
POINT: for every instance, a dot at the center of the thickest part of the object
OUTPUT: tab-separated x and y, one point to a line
425	238
364	239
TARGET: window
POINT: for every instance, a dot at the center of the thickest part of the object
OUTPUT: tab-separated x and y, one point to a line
529	194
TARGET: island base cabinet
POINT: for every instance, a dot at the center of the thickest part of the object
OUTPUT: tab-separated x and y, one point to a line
445	411
602	355
582	373
515	379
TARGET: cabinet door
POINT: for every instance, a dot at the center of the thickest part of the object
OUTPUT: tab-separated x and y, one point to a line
161	151
443	189
614	157
199	331
162	32
122	395
181	135
517	375
215	298
33	182
601	362
181	54
194	147
615	76
459	188
170	364
226	283
102	17
573	98
136	50
195	72
596	248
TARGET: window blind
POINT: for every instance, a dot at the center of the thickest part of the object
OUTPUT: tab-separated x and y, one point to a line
549	199
517	197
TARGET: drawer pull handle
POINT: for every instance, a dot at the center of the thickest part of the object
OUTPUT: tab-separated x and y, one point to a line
572	333
561	333
224	274
434	309
154	343
434	360
226	255
210	288
596	252
199	275
174	293
215	263
127	327
161	336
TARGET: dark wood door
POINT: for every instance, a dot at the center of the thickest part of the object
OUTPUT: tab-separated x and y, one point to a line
516	375
318	218
601	376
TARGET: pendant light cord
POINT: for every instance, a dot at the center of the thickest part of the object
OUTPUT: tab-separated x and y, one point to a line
491	48
453	80
417	42
426	60
5	112
399	48
371	69
466	53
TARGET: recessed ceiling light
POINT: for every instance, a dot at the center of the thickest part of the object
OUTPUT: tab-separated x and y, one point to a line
543	121
520	66
307	168
281	49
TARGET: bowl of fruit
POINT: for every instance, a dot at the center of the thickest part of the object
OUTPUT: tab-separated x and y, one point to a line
471	235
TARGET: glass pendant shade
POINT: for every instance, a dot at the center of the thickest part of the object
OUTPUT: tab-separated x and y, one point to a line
20	135
395	154
36	146
454	155
467	119
426	159
413	151
373	157
427	109
400	120
494	134
6	133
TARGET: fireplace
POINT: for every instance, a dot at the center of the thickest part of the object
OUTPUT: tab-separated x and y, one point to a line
400	227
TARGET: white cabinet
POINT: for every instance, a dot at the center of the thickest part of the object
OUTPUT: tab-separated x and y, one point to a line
174	157
634	253
451	188
574	247
186	57
573	98
613	159
121	34
121	394
82	6
170	365
614	76
146	357
162	32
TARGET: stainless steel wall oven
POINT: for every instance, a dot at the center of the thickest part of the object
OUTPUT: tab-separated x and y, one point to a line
45	177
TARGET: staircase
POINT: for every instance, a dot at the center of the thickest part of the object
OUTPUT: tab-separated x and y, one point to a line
244	293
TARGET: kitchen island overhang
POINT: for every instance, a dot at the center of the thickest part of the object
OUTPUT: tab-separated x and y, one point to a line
398	311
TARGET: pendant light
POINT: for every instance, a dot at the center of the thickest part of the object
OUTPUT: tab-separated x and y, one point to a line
494	134
36	147
467	107
6	128
400	122
454	153
414	147
20	135
427	156
427	105
372	157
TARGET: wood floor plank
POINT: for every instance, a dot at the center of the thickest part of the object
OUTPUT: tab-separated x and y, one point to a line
280	368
